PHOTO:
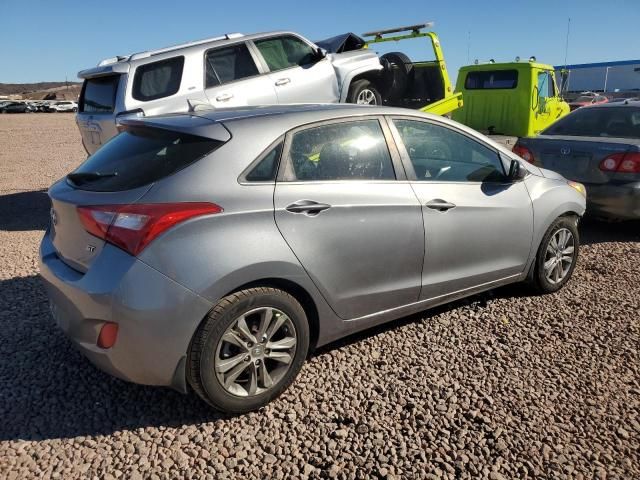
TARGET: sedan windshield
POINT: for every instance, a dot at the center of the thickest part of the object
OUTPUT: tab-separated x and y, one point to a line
621	122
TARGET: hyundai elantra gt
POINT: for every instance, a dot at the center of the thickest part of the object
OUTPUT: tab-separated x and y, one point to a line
213	250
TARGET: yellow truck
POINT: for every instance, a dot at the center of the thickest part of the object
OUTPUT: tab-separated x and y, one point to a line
509	100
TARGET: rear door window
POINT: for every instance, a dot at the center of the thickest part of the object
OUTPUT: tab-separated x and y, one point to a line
99	94
158	79
224	65
492	79
139	156
340	151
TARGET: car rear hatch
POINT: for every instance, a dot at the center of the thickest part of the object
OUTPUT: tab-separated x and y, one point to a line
99	104
119	174
578	158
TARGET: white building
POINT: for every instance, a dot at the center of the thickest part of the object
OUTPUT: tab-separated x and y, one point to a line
600	77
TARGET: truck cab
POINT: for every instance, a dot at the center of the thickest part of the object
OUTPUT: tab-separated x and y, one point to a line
509	100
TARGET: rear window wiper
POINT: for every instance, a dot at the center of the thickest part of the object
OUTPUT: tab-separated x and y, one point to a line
89	176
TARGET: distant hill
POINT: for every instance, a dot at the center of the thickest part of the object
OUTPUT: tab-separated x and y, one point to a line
18	88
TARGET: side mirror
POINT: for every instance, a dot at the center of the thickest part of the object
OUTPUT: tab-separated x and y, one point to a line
320	53
516	171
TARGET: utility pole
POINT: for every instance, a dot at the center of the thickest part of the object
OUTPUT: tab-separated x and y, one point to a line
606	77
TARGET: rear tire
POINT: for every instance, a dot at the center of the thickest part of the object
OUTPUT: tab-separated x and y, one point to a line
364	92
557	255
229	343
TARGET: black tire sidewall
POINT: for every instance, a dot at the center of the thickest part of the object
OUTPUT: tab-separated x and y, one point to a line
540	280
214	391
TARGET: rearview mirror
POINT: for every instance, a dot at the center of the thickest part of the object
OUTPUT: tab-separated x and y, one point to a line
516	171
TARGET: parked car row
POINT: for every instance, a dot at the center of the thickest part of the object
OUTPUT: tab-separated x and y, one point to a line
38	106
599	146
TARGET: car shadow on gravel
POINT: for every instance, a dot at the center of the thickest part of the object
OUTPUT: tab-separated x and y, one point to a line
594	231
27	210
48	390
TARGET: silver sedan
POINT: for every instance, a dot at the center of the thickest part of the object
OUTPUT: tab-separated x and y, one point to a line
217	249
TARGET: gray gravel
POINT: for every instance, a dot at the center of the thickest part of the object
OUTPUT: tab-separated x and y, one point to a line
503	385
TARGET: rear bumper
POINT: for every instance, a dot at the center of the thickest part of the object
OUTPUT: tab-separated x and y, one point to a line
156	316
615	201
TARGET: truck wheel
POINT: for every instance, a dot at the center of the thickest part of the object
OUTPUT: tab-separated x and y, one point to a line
363	92
396	74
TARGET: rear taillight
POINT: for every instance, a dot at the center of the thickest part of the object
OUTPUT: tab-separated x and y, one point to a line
133	227
523	152
621	163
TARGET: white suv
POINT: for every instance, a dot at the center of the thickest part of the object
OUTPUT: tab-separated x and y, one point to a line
63	106
228	71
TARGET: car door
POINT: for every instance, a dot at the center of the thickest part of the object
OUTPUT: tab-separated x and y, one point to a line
351	218
233	78
478	225
297	73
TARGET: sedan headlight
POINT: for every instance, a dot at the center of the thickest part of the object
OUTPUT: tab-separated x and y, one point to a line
579	187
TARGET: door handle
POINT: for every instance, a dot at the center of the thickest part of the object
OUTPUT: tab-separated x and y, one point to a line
307	206
224	97
282	81
440	205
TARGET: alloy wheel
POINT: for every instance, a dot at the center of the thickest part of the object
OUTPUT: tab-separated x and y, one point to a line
255	352
559	256
366	97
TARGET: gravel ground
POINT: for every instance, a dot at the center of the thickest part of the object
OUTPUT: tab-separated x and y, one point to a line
502	385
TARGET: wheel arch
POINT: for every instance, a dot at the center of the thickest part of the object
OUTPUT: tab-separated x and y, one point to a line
373	75
298	292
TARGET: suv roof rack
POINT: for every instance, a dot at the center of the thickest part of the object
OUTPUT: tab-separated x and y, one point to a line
411	28
148	53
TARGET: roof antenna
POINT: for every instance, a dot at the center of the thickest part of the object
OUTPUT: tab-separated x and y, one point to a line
565	73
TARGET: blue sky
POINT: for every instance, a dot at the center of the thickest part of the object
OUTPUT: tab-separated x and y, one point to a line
46	41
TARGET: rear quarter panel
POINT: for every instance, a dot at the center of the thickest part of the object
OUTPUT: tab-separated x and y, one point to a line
217	254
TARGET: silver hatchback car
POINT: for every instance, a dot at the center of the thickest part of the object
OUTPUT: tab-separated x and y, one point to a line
214	250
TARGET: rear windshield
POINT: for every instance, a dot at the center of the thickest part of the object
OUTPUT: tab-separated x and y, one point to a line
99	95
493	79
139	156
619	122
158	79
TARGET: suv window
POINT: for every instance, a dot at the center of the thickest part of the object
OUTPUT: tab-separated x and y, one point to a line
285	52
491	79
99	94
139	156
227	64
440	154
158	79
340	151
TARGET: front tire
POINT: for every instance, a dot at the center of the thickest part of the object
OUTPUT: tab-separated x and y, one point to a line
248	350
557	255
364	92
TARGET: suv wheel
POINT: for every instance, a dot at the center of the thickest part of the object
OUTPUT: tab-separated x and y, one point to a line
557	255
363	92
249	349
